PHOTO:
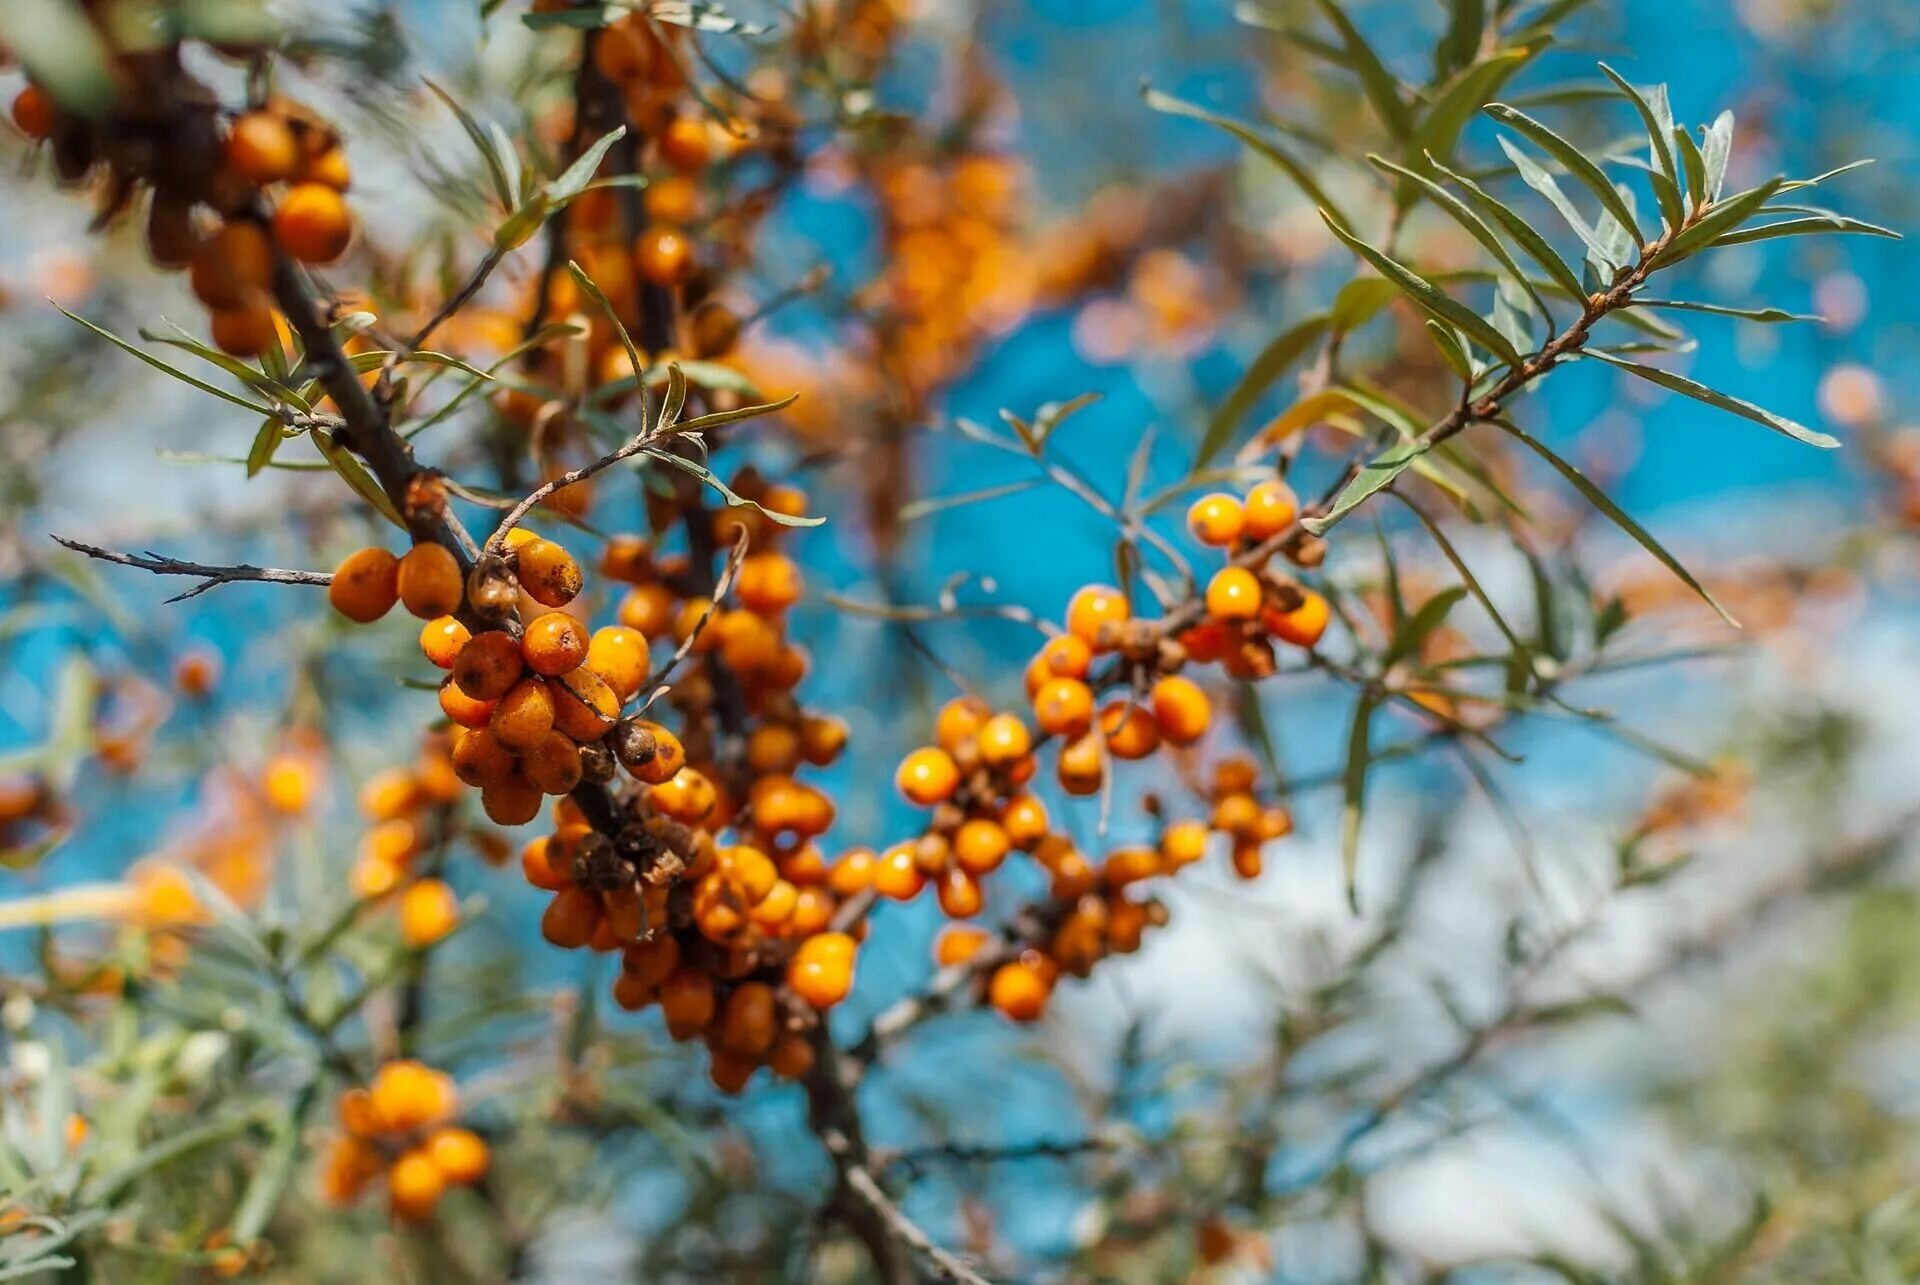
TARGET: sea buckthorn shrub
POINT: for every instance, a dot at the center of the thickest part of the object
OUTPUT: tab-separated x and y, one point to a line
580	511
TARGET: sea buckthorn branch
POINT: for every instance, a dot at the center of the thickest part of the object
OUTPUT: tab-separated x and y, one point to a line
210	576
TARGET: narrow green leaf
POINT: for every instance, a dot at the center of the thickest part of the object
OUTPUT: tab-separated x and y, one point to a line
1381	86
696	469
1536	177
1373	476
926	507
162	366
1466	24
574	179
1722	401
265	443
1452	351
1657	116
1720	310
1603	502
1531	243
483	143
356	476
1716	149
1575	161
1720	218
1354	793
1814	226
1272	362
1429	297
1461	98
240	370
1253	15
1360	300
1417	627
1462	214
1293	169
1692	164
594	292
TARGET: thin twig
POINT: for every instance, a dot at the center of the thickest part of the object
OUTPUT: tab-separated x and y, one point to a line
211	576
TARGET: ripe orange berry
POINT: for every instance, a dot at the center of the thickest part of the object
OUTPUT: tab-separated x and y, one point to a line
1063	707
311	223
1003	739
365	585
1025	820
428	912
510	801
620	656
547	572
749	1022
958	720
553	765
792	1056
260	148
1068	656
414	1187
328	168
232	268
33	112
1130	865
928	776
821	970
959	944
409	1095
959	893
1181	709
669	754
546	865
463	709
897	876
687	144
648	609
442	639
1019	990
1233	594
1130	730
245	331
1080	768
489	665
1216	519
980	845
523	717
197	673
459	1154
570	918
585	706
768	583
1304	625
852	872
430	581
822	739
686	998
663	255
1270	509
1095	614
554	643
1184	843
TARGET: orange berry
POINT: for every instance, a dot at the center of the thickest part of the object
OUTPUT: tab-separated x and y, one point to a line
547	572
959	944
673	199
328	168
430	581
663	255
553	765
1025	820
896	875
687	144
1130	730
409	1095
959	893
33	112
1068	656
1233	594
928	776
853	872
980	845
459	1154
749	1022
365	585
1181	709
1130	865
620	656
442	639
1304	625
481	761
1095	614
1081	768
523	717
1019	990
428	912
768	583
311	223
821	970
510	801
958	720
1003	739
1270	509
1063	707
669	755
1216	519
245	331
554	643
414	1186
463	709
545	865
584	705
232	268
197	673
1184	843
822	739
792	1056
648	608
260	147
489	665
686	998
570	918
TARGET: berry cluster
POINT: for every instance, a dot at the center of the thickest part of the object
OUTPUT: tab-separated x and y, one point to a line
399	1126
